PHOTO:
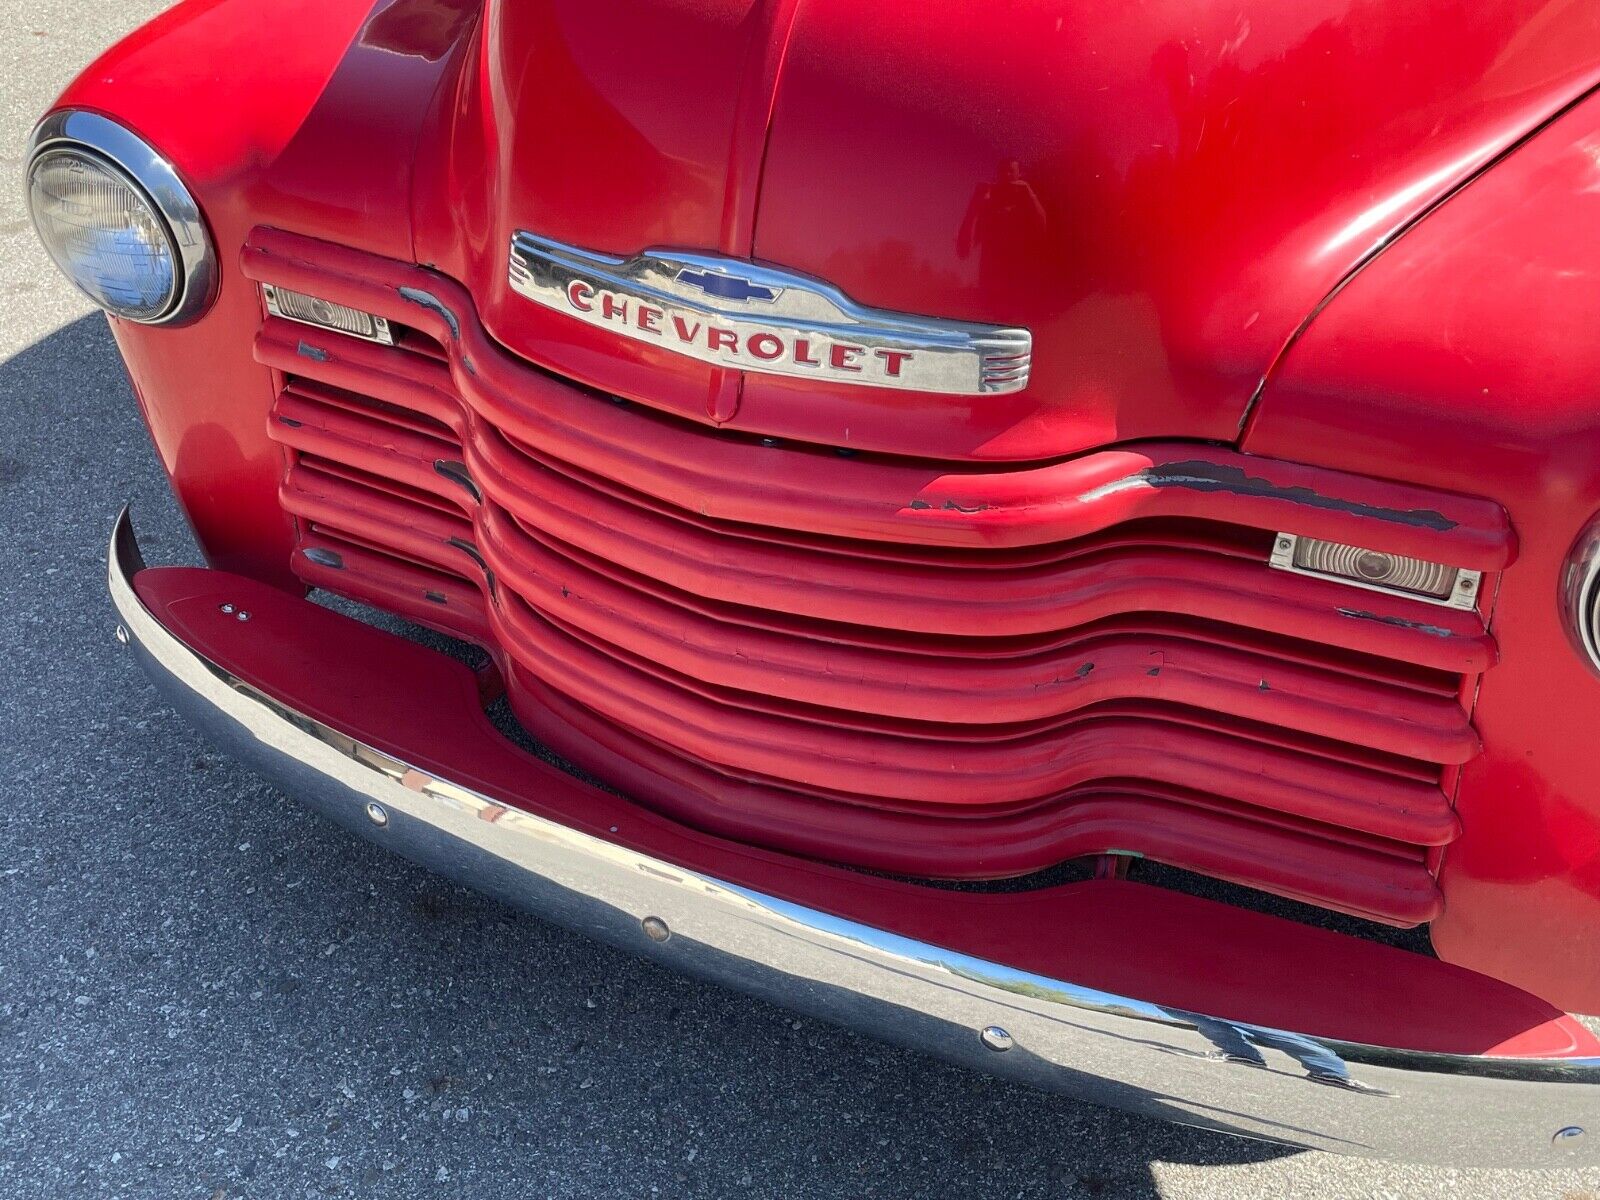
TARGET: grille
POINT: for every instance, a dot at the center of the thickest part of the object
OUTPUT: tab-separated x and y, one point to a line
667	614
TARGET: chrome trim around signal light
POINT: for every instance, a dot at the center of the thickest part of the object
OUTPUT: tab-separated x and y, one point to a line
1463	588
153	174
280	304
751	317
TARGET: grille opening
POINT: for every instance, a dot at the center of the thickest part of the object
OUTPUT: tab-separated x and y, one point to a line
945	733
327	468
1414	938
1351	663
1073	870
343	537
467	653
315	392
414	341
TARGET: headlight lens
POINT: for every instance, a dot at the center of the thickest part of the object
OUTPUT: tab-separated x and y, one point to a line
103	233
117	219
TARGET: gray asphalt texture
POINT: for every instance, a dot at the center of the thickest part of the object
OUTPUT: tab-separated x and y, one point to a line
207	992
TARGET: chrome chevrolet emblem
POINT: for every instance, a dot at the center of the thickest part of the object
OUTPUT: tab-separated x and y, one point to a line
749	317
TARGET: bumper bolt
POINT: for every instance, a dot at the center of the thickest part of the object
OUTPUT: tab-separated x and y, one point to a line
996	1039
377	814
1565	1139
656	929
122	635
227	608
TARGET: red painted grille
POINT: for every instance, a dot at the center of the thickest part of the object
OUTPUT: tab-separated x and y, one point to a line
813	650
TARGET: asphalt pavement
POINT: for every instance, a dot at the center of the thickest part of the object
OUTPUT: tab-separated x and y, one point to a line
207	992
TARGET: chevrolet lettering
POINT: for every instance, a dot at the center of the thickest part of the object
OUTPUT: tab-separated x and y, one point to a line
751	317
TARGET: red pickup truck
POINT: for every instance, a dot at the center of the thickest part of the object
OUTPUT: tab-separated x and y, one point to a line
1041	532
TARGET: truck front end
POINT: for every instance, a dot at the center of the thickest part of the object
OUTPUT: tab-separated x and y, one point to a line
1138	474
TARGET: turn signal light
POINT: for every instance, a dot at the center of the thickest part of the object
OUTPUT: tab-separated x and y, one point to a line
1377	570
313	310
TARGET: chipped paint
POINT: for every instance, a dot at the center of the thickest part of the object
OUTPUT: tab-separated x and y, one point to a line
314	353
434	305
1359	614
456	472
469	550
1083	671
1202	476
952	506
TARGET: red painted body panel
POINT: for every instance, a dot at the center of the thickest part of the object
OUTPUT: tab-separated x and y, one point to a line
1163	192
1468	350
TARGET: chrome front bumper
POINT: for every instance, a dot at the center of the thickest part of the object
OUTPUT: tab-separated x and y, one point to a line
1052	1033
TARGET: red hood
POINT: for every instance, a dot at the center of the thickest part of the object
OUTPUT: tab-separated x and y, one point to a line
1161	191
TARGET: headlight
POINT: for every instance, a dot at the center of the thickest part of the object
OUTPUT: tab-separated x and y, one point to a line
117	220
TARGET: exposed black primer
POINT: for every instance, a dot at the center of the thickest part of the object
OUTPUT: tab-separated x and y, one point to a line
456	472
469	550
1358	614
951	506
433	304
1202	476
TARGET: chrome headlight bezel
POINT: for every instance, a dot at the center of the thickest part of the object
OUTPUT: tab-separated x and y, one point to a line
156	180
1580	594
